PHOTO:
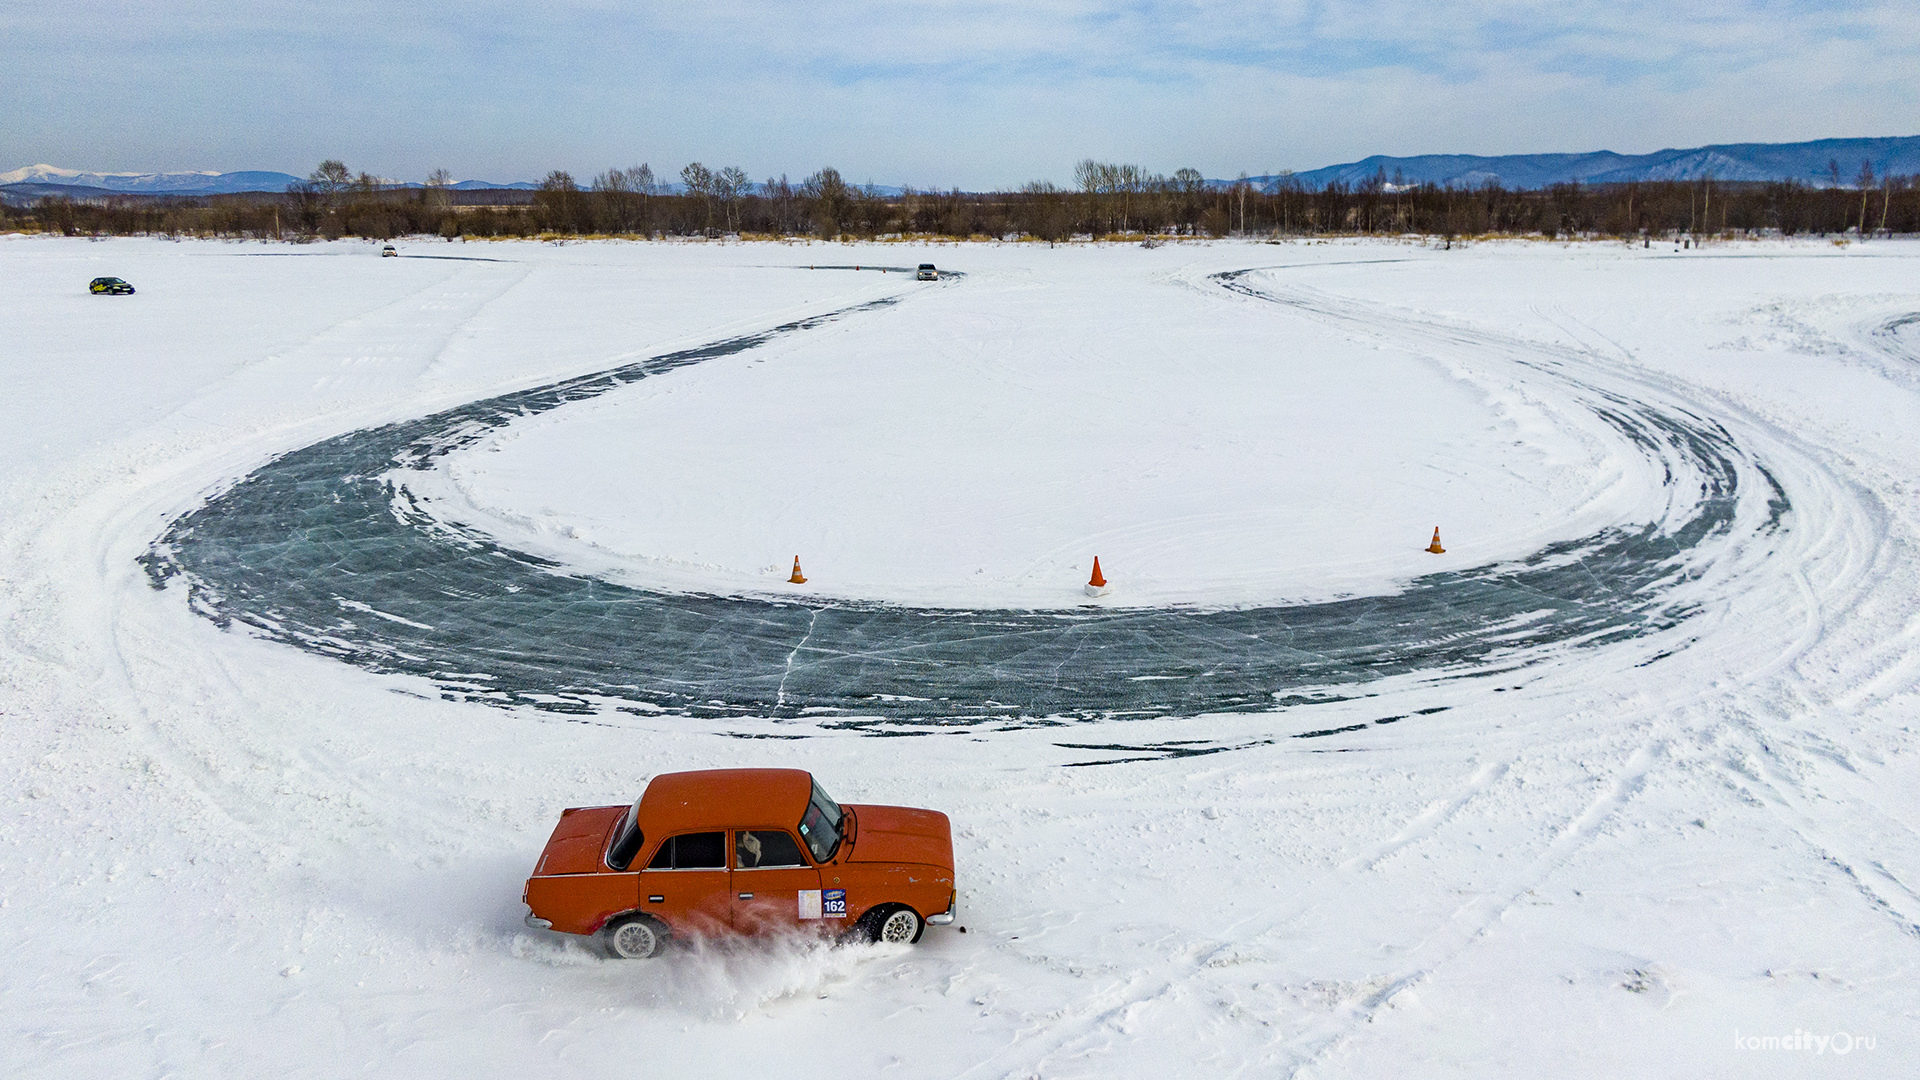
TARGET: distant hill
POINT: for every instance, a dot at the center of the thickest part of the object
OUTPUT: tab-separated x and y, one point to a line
484	185
182	183
174	183
29	193
1805	161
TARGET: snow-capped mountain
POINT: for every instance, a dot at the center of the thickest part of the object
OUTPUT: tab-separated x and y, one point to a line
156	183
205	182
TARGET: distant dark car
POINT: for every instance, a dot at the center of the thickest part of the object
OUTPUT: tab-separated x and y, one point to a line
926	273
388	252
110	286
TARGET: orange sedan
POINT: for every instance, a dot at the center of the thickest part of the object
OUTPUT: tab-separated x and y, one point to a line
747	851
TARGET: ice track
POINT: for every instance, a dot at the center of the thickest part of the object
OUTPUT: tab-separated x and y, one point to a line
326	549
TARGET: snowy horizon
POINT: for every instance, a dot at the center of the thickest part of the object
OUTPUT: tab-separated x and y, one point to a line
1811	162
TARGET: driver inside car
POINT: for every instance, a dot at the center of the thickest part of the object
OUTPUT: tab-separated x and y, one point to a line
746	850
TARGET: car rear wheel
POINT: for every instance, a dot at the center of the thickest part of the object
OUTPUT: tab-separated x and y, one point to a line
635	938
894	925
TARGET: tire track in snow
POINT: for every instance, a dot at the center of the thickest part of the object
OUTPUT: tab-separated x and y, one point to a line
333	523
178	739
1076	1033
1471	922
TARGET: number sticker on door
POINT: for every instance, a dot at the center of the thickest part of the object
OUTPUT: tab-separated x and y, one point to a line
823	903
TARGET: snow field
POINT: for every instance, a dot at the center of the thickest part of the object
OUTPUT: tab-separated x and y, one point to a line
979	446
224	857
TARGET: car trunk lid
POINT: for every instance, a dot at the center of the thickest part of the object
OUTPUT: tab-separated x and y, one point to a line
576	843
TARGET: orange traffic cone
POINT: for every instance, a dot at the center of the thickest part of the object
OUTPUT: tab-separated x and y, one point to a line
1434	547
1097	584
798	578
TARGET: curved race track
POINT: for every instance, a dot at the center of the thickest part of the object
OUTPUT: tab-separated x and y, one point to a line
324	548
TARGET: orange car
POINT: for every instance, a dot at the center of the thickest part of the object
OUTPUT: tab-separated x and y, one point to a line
742	851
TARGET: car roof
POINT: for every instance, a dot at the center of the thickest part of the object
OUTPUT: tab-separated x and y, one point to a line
719	798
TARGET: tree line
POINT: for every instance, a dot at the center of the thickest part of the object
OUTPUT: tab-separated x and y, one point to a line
1106	201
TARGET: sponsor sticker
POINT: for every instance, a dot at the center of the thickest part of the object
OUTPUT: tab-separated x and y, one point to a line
833	903
810	903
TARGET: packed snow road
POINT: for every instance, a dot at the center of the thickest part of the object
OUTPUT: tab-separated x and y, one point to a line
1684	823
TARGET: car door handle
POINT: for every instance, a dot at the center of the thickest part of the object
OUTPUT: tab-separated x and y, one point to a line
746	896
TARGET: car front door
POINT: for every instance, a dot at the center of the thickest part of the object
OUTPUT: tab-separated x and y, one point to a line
775	889
685	884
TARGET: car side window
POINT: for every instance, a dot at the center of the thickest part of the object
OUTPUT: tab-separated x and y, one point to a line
700	851
692	851
765	849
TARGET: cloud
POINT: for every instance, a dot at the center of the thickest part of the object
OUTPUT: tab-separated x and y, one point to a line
932	91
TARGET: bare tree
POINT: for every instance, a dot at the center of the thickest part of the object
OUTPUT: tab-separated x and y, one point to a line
781	197
640	180
1706	204
730	185
831	199
558	201
1046	210
643	189
1865	182
330	179
437	195
1088	176
699	181
614	201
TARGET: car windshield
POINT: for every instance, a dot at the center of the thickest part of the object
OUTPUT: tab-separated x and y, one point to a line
626	839
820	825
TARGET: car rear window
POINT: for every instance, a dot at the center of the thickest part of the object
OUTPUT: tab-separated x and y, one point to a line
627	839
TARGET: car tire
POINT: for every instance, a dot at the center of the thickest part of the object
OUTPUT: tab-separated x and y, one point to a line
635	937
895	924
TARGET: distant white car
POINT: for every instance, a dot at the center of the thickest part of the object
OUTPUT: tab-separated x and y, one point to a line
388	252
926	273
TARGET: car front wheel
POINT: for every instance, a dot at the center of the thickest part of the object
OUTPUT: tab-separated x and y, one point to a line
894	925
634	938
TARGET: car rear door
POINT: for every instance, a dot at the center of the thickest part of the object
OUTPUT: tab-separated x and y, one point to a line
775	889
686	882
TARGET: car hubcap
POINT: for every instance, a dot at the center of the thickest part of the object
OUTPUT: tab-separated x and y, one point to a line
633	940
899	927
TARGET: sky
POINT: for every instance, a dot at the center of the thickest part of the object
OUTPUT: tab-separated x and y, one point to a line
970	93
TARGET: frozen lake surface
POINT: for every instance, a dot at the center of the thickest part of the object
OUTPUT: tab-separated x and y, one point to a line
336	547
